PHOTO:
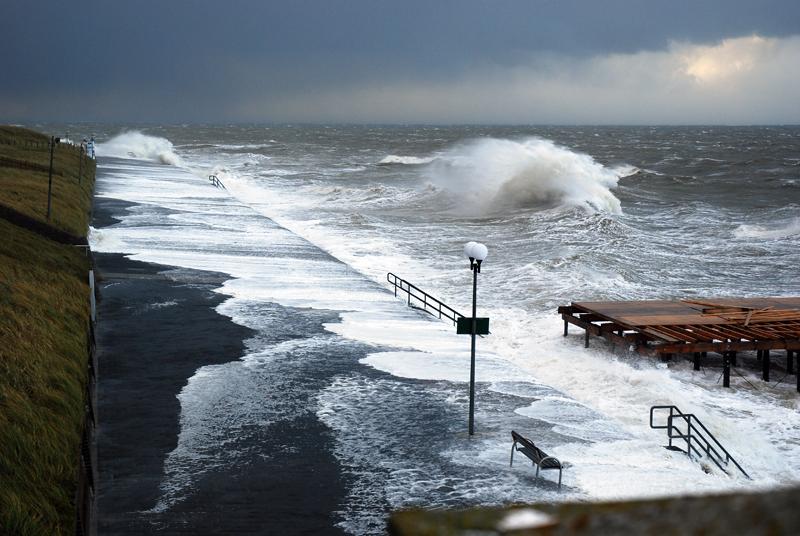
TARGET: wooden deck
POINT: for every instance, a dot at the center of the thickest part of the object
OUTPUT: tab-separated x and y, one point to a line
695	327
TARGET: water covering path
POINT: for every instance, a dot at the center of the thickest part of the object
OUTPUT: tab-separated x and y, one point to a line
309	411
376	389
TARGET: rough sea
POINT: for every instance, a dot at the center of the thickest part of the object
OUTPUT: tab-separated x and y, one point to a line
567	213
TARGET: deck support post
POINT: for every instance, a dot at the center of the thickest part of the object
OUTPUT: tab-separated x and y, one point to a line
586	340
789	362
759	354
765	366
697	361
733	359
566	328
703	354
726	370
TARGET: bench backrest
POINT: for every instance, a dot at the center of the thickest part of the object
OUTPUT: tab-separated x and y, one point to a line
528	444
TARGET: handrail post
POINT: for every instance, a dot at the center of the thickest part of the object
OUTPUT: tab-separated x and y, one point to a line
442	309
689	436
669	426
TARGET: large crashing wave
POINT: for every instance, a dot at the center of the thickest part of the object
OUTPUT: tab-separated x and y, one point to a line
134	144
490	174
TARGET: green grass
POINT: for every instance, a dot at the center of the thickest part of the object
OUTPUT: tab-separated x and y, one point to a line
44	300
25	190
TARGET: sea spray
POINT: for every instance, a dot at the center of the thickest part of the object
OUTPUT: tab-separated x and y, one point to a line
787	230
393	159
491	174
134	144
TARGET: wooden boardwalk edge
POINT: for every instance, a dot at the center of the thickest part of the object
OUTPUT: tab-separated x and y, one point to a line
660	328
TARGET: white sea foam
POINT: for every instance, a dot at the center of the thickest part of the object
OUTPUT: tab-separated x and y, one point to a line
619	390
406	160
626	170
601	422
105	241
134	144
495	173
244	146
791	228
443	366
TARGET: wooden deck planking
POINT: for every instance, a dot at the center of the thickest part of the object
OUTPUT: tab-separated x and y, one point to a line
722	325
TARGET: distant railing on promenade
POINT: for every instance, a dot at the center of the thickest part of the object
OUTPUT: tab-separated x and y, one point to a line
424	301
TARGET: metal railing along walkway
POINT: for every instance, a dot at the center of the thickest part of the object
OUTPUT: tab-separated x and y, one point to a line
423	300
213	179
699	441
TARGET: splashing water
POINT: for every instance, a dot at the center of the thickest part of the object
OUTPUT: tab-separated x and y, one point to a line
492	174
134	144
791	228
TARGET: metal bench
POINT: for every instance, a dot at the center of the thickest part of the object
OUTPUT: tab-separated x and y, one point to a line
539	458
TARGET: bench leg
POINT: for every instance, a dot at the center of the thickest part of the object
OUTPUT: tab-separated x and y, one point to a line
512	455
537	470
559	478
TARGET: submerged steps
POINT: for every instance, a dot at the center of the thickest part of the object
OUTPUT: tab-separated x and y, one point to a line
700	442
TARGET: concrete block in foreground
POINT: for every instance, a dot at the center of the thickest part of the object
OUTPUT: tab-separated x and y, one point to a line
774	512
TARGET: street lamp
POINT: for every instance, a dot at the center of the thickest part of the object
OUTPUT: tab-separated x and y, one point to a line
476	253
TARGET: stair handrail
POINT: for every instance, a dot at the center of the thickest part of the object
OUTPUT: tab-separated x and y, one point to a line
429	303
699	436
213	179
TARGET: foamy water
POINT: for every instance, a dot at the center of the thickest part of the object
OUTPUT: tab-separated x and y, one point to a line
618	219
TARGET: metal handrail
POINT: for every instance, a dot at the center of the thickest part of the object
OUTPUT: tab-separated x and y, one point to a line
697	434
429	303
213	179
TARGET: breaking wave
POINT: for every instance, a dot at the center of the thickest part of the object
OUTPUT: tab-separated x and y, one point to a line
134	144
758	231
494	173
406	160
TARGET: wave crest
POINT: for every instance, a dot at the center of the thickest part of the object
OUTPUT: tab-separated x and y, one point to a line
405	160
134	144
490	174
758	231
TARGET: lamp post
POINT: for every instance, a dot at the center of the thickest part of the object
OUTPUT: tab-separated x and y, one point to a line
53	142
476	253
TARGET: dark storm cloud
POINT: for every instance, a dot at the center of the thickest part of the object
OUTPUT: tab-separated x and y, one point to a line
202	60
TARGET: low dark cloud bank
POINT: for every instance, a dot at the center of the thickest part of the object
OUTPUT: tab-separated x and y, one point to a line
375	61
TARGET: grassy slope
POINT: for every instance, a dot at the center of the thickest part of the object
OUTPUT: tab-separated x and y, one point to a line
26	189
43	322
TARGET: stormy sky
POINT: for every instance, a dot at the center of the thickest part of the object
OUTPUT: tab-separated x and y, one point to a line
446	61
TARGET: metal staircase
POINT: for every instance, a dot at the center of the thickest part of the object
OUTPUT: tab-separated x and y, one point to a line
700	443
422	300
